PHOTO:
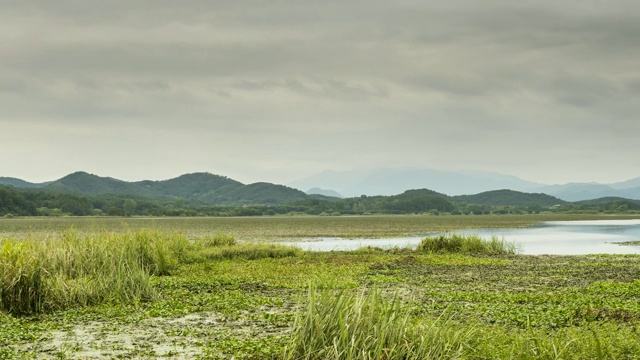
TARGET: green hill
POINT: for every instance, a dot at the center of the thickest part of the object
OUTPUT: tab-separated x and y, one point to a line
201	188
19	183
88	184
192	186
610	203
267	193
509	198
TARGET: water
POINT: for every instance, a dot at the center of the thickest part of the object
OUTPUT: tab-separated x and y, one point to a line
553	238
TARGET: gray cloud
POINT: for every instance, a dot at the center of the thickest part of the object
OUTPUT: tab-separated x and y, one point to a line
281	89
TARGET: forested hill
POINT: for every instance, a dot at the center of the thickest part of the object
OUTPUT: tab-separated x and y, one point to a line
200	187
19	183
81	193
509	198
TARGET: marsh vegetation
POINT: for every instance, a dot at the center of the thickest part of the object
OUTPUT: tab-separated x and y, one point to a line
217	291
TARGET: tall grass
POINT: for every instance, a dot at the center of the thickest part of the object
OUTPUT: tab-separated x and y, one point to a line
466	244
348	326
39	275
366	326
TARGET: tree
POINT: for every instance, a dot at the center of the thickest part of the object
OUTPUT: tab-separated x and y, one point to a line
129	206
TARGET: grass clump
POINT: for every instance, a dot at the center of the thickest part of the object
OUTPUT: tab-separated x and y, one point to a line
22	288
346	326
219	239
40	275
250	252
225	247
466	244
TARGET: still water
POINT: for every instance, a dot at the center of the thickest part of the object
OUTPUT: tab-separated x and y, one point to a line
554	238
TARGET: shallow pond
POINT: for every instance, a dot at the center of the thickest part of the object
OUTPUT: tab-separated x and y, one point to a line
554	237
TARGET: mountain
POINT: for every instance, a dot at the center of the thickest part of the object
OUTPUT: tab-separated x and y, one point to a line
20	183
257	193
324	192
395	181
195	185
612	204
204	188
210	189
88	184
629	184
510	198
588	191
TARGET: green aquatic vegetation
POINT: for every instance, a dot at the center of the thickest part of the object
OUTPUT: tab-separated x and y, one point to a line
219	239
344	325
49	274
326	270
466	244
250	252
245	307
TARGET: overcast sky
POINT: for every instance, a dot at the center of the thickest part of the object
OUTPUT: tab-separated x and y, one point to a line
279	90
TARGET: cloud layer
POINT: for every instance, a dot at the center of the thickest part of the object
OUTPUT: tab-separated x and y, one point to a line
280	90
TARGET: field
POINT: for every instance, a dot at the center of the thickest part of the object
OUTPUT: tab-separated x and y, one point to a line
217	299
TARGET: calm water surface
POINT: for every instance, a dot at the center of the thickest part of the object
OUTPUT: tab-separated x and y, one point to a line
554	237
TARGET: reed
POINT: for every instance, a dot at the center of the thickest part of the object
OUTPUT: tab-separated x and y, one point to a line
249	252
346	326
40	275
466	244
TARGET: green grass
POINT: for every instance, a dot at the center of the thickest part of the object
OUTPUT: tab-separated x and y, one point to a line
44	275
213	294
466	244
40	275
347	326
371	325
250	252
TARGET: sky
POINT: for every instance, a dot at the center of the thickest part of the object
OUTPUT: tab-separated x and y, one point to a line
279	90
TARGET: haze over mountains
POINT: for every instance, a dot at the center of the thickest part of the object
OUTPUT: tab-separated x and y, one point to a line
395	181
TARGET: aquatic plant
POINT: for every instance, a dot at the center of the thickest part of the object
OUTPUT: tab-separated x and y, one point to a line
466	244
346	325
38	275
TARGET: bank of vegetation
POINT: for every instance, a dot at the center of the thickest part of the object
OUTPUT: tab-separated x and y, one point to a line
454	297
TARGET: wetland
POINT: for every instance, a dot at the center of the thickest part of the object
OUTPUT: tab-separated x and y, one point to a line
547	238
233	293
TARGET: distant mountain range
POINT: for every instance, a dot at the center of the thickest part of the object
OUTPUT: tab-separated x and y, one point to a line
324	192
201	187
210	189
395	181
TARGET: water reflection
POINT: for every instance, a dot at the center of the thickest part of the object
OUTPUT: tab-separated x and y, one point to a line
554	238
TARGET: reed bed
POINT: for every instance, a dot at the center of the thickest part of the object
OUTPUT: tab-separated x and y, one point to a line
346	326
466	244
368	325
249	252
41	275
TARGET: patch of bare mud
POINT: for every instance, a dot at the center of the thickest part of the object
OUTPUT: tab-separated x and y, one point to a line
159	338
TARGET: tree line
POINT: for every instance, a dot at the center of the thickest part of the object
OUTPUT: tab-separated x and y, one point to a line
24	202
